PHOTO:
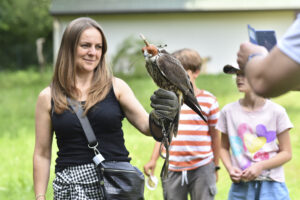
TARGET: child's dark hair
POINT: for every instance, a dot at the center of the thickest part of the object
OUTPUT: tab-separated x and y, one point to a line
189	58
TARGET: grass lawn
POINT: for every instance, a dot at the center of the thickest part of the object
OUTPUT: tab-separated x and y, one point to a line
19	92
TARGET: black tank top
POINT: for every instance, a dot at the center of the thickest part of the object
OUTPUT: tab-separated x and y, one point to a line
106	120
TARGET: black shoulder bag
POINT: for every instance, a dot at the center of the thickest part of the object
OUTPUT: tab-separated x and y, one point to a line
118	180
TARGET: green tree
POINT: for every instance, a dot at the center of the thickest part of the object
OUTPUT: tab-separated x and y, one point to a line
22	22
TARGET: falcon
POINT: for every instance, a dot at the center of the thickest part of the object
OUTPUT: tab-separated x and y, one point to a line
168	73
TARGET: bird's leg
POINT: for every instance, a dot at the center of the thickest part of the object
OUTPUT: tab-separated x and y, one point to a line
166	142
180	97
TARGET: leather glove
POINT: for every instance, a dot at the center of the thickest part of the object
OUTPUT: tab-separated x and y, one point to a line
165	108
165	104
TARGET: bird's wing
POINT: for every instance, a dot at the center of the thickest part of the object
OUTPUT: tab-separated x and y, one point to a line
173	71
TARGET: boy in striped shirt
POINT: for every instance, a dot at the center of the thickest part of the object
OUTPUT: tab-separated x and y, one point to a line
194	153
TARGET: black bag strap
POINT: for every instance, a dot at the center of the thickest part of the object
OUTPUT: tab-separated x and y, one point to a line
91	138
84	121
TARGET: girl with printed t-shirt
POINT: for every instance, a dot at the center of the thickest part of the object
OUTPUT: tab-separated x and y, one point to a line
251	128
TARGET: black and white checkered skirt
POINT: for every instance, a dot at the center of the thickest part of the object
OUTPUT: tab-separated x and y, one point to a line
77	183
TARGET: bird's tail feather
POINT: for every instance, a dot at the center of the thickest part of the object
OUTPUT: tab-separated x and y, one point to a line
193	104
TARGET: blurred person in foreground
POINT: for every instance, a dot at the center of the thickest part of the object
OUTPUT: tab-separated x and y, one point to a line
275	73
82	75
194	152
255	144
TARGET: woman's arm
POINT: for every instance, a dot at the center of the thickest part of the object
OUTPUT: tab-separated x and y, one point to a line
134	111
165	107
43	143
283	156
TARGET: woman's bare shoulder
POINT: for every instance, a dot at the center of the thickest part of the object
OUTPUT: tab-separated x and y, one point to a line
118	82
44	98
45	93
120	87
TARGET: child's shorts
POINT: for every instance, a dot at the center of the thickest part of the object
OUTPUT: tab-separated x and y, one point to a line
258	190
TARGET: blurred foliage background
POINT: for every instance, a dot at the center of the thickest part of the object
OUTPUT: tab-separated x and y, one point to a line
22	22
129	60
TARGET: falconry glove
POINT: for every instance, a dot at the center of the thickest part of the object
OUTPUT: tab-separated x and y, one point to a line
165	113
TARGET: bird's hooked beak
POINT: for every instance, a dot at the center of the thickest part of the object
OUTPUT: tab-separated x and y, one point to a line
145	52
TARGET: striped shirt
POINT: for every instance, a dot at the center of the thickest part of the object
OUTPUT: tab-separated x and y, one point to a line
192	147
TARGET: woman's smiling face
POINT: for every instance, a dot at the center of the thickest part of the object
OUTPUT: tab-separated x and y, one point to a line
88	50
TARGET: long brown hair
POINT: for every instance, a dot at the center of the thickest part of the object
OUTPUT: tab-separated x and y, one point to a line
63	82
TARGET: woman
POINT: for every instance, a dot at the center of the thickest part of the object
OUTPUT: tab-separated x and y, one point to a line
81	74
250	130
